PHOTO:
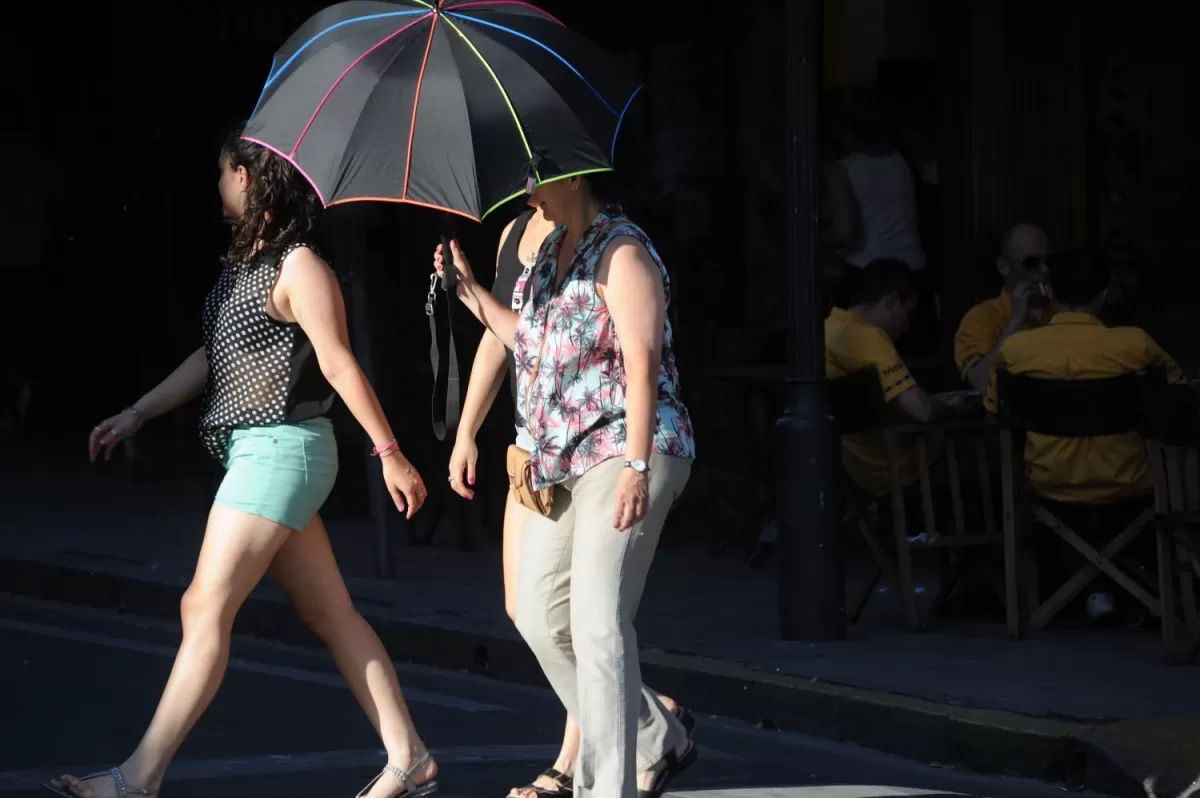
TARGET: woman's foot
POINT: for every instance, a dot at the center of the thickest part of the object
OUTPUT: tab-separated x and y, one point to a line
415	774
100	785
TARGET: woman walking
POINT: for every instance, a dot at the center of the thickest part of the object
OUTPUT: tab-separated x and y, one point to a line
598	388
275	352
517	254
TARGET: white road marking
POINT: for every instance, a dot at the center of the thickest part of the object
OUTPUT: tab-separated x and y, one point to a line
819	791
280	764
413	695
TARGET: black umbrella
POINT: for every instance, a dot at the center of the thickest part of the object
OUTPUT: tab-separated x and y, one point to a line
460	106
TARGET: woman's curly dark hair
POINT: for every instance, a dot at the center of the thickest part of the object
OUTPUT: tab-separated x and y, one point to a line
281	206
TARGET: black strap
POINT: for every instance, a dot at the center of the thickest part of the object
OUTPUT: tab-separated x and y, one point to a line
447	398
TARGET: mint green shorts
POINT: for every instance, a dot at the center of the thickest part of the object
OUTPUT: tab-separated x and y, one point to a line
283	473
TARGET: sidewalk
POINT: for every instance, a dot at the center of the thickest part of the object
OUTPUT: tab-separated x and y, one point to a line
1088	709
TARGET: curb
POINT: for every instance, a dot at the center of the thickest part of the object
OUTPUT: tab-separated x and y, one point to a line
987	741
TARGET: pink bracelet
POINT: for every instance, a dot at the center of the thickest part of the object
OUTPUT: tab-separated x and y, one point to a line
391	446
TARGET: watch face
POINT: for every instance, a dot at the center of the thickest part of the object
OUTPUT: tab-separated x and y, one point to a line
639	466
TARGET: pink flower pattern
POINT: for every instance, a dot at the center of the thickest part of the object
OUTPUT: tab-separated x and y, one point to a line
576	399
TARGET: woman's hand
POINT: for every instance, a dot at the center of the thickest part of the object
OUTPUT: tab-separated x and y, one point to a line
633	498
465	282
403	482
462	467
111	431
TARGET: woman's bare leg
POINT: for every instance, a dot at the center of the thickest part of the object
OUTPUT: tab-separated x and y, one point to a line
307	572
236	551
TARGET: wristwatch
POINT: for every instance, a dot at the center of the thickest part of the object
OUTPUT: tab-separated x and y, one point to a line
640	466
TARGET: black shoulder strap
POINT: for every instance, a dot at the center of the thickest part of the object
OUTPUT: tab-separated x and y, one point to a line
447	399
518	230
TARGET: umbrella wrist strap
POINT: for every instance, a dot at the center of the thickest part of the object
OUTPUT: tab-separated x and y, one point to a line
446	404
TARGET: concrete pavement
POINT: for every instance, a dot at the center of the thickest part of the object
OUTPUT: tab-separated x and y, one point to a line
1083	709
80	685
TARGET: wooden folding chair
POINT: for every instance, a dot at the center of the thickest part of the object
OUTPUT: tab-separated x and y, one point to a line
1172	431
857	402
1064	409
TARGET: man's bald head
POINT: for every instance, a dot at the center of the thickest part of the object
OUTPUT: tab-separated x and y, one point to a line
1023	252
1024	239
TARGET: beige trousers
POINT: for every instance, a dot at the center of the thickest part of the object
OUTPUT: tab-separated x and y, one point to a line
578	590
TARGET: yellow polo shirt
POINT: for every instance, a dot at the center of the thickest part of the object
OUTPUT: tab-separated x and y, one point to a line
852	344
982	327
1077	346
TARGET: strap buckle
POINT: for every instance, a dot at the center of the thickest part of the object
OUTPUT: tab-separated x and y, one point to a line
431	297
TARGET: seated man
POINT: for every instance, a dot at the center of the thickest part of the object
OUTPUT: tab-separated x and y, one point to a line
862	336
1076	345
1023	303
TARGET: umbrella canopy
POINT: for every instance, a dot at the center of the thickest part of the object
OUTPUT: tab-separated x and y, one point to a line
457	105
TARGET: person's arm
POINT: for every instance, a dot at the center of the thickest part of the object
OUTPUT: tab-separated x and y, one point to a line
980	372
924	408
487	370
500	320
631	284
1158	356
487	374
309	292
897	382
182	385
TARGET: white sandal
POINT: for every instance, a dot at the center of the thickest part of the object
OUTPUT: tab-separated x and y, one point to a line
411	790
123	790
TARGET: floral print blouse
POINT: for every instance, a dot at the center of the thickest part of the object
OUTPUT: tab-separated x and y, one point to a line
573	394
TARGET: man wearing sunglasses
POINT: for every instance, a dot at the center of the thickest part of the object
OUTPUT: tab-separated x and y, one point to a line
1025	302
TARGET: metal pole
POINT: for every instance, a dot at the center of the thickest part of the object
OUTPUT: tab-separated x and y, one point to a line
812	595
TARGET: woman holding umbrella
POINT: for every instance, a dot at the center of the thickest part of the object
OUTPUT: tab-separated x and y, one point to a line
275	352
613	444
519	245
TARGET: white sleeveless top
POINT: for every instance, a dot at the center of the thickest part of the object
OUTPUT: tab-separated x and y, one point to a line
884	188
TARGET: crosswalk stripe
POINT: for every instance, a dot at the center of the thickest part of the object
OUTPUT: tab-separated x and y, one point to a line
413	695
280	764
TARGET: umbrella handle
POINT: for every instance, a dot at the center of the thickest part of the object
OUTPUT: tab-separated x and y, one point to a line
449	276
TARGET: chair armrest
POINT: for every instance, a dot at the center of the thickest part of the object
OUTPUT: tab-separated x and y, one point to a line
1184	518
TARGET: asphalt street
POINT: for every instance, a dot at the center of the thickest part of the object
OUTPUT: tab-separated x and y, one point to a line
77	687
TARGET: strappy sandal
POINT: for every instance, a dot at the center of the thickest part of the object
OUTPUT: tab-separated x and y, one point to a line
411	789
675	765
564	785
123	789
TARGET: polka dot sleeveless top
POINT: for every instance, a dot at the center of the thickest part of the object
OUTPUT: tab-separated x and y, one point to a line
261	371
